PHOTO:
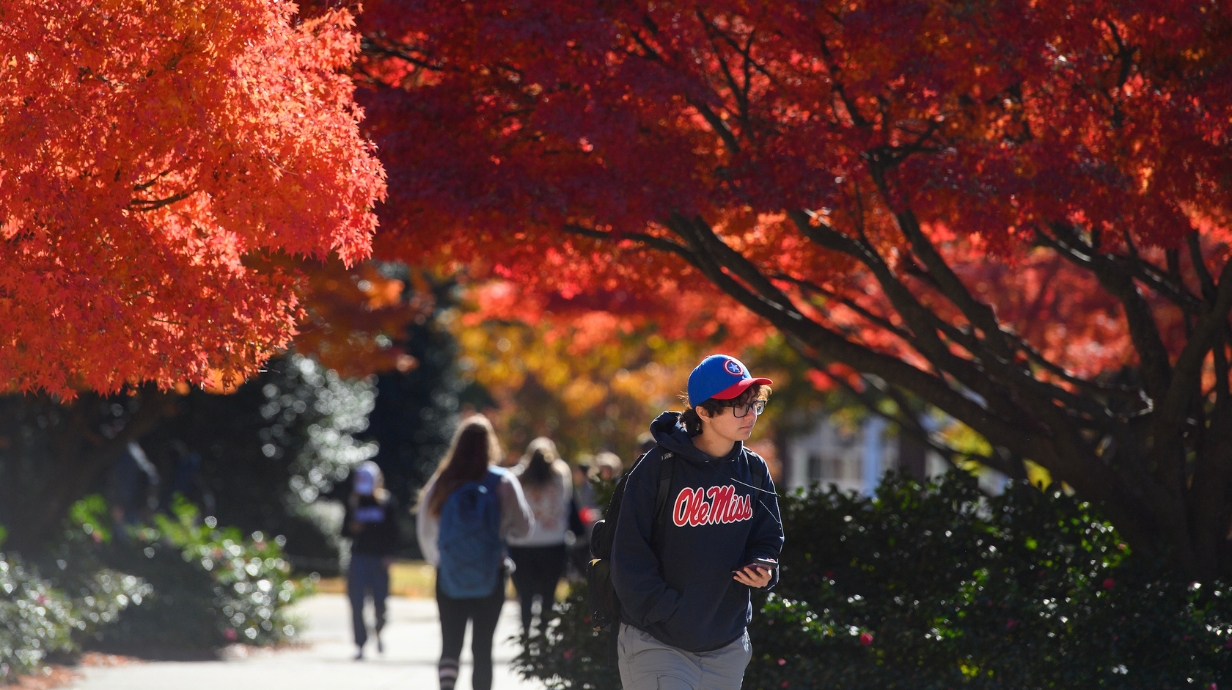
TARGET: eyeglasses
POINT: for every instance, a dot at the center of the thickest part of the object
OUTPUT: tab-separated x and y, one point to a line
742	411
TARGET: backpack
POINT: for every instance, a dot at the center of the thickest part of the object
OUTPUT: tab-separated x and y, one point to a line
469	543
604	605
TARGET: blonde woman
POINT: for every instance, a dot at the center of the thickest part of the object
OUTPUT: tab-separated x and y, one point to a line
540	555
466	511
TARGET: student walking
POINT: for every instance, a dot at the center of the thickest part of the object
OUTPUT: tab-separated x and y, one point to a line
466	512
684	581
539	557
606	467
370	522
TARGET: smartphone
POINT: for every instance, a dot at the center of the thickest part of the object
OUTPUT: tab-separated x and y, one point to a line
762	563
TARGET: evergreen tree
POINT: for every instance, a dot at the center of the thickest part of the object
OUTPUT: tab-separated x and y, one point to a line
416	411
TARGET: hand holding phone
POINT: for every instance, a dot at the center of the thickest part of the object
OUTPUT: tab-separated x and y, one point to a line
757	573
764	563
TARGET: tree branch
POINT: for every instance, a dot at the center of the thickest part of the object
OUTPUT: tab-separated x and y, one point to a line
706	243
1156	367
879	321
651	241
369	46
145	205
141	187
1171	412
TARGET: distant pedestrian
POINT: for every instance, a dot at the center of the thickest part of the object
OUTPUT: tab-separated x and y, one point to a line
466	512
683	573
583	492
133	489
583	515
540	555
371	523
645	443
607	467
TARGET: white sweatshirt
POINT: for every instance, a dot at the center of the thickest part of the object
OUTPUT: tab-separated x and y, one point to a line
550	503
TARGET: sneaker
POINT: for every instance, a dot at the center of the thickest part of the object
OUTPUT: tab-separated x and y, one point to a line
359	655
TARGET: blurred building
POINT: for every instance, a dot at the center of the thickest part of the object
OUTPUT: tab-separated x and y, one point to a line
853	456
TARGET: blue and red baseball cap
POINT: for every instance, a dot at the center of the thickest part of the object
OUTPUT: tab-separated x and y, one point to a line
722	377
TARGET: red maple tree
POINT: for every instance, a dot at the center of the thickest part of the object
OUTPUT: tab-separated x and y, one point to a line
1014	211
155	161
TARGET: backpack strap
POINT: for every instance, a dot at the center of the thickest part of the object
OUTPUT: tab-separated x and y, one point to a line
667	469
493	478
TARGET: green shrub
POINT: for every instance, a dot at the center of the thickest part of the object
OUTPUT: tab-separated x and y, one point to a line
938	586
209	586
572	654
98	593
35	619
200	588
41	617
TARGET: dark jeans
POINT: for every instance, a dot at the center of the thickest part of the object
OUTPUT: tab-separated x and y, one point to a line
483	613
366	577
538	571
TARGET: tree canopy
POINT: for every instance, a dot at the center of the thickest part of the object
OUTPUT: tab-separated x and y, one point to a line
155	159
1014	211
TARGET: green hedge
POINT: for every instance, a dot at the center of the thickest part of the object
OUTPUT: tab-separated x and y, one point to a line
211	586
35	619
938	586
39	619
181	586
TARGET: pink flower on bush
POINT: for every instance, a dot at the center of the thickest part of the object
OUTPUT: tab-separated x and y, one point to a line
1109	583
782	662
866	639
1011	624
568	654
229	633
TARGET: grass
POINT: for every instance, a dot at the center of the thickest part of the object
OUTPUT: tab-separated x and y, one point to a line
414	579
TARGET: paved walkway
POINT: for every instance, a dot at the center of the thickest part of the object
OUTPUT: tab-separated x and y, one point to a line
412	644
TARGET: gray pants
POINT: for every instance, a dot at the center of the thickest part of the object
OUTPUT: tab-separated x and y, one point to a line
648	664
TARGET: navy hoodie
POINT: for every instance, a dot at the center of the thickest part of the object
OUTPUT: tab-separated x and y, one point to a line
682	593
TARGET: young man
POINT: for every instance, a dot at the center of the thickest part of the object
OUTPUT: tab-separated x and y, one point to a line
684	582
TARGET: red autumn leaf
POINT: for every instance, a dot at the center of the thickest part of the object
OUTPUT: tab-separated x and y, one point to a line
154	156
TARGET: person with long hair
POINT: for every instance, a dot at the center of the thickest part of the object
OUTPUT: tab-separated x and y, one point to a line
540	555
683	573
465	480
371	524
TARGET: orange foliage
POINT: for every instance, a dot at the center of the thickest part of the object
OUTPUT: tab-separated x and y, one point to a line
591	379
357	317
153	156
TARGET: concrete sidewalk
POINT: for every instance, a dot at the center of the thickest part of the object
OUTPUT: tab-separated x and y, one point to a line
412	646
